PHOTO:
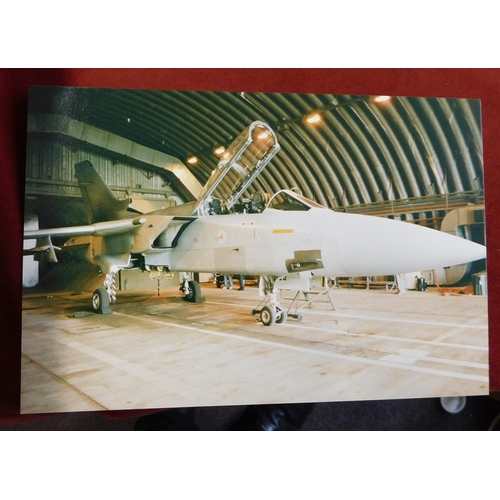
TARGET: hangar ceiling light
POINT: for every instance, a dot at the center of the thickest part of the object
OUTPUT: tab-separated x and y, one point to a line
313	118
382	98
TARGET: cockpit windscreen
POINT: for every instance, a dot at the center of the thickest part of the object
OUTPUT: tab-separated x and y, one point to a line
288	200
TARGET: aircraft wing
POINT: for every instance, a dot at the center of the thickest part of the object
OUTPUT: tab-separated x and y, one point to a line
44	251
97	229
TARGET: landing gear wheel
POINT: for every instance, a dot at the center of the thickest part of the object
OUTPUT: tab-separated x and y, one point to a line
194	291
268	316
282	316
100	300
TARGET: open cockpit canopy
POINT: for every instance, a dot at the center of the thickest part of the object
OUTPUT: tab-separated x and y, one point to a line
238	167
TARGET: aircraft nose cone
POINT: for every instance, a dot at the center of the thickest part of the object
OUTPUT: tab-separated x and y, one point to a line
369	246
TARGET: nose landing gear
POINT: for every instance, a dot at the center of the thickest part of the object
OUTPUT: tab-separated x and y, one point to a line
270	315
272	312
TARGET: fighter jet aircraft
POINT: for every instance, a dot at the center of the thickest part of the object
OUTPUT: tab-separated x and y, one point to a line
286	236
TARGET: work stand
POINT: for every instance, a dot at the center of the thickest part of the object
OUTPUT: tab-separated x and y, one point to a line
300	299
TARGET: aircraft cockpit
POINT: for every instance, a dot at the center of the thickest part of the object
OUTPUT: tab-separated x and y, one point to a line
239	166
254	205
288	200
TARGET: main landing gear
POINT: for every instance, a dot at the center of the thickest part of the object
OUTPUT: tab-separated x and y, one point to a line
191	289
272	312
104	296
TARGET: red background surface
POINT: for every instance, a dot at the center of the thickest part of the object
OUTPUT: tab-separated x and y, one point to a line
483	84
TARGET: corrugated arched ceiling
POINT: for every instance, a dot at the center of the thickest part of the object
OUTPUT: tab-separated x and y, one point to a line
360	152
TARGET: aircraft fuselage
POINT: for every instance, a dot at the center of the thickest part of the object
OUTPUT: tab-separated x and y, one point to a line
321	241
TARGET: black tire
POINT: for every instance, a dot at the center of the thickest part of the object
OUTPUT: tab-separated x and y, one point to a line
100	300
282	316
194	291
268	316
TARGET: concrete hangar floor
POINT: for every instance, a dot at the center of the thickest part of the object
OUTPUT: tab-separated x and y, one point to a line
164	352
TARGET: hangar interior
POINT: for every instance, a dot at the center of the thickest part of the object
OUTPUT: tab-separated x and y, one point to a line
417	160
412	159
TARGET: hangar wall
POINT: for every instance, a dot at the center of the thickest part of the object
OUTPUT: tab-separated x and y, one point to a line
53	197
50	172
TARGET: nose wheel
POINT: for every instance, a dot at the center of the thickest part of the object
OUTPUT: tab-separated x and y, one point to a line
270	315
282	316
272	312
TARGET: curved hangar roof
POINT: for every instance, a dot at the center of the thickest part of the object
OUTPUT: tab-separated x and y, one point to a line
399	156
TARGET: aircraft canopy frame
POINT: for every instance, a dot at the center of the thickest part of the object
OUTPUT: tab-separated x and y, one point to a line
242	162
287	200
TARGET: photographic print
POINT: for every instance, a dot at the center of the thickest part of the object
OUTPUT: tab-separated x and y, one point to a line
229	248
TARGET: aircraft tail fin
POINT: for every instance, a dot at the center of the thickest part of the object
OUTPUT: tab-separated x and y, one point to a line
100	203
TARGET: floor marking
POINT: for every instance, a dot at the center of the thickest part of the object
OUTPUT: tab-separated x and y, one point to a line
387	364
135	370
383	337
397	358
424	355
409	356
61	381
335	314
110	359
468	364
88	328
411	321
388	337
414	353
